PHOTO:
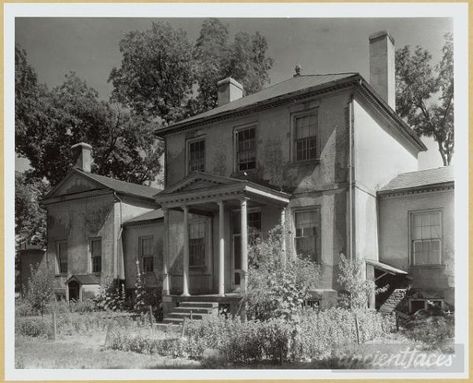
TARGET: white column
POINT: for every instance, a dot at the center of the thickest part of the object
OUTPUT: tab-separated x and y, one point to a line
185	263
244	246
283	236
165	252
221	252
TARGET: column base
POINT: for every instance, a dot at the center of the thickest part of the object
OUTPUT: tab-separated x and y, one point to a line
185	295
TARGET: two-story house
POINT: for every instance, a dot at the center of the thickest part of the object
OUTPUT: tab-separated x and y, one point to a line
85	217
324	156
309	153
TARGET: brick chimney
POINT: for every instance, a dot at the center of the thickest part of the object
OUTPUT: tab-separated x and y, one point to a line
382	66
229	90
83	154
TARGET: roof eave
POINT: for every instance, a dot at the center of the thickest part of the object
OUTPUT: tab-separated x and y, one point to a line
417	188
347	81
410	134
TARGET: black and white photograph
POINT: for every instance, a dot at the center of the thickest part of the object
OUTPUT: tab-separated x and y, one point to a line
275	189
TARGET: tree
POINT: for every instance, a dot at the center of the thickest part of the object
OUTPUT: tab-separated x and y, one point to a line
162	77
155	77
40	288
49	122
424	94
30	218
216	58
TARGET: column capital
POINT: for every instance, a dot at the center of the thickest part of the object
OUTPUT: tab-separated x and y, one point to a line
243	199
185	208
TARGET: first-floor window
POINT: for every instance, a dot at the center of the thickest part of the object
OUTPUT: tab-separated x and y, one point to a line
61	257
197	244
146	253
96	254
307	239
426	236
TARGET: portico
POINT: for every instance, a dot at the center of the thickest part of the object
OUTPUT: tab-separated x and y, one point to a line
223	204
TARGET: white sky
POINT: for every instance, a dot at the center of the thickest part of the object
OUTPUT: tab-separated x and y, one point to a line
89	46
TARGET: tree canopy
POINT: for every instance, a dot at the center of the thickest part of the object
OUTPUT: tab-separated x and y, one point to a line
164	76
424	94
49	122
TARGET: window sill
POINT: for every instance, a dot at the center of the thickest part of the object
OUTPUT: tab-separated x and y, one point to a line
437	266
315	161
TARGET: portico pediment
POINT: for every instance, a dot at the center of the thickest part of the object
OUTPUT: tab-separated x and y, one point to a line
198	181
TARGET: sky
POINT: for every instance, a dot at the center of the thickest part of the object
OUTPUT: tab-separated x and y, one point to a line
90	47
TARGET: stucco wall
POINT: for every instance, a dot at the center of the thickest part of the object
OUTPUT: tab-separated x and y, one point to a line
380	153
394	237
274	146
321	184
131	237
76	221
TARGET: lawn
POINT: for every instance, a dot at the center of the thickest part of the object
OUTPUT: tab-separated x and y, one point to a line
86	351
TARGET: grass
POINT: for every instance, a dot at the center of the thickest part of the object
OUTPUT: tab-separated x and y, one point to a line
87	352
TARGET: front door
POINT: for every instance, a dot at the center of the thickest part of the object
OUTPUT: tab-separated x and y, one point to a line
74	288
236	263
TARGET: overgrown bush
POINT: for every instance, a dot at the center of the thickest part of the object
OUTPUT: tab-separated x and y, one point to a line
357	289
23	308
434	332
277	286
35	327
111	295
40	288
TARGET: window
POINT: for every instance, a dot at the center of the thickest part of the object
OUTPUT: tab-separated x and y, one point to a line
421	304
254	220
197	244
426	236
196	156
61	257
307	239
246	149
305	142
96	254
146	254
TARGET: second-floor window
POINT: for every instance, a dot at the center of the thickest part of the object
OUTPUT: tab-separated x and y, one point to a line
61	257
196	150
96	254
305	137
146	253
246	148
426	236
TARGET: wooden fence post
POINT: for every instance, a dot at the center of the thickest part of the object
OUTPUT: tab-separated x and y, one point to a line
151	315
107	335
183	327
54	326
357	329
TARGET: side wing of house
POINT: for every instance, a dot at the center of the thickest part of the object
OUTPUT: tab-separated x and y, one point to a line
380	152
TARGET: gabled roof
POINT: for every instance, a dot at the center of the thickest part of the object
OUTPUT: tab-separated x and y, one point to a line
419	179
153	215
103	182
283	88
298	86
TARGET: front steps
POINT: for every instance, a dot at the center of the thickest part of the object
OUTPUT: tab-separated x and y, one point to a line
392	303
190	310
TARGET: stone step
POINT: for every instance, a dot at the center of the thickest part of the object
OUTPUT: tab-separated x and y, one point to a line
179	315
173	321
198	304
195	310
167	326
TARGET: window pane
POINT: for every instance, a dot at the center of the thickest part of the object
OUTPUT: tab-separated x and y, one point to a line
307	238
197	244
197	156
246	147
62	257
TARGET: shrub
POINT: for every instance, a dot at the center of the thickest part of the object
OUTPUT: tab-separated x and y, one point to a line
357	288
40	288
111	295
35	327
277	287
434	331
23	308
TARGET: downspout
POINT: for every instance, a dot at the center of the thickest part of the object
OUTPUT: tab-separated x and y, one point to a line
351	178
117	243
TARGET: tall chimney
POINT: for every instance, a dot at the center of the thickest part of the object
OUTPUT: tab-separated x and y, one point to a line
83	154
229	90
382	66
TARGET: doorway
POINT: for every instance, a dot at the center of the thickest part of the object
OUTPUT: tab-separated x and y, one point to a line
74	290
